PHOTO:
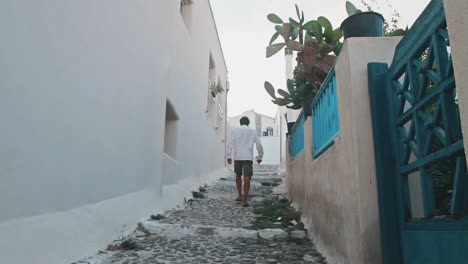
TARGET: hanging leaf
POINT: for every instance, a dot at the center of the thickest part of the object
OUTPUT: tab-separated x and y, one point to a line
290	85
308	38
279	29
270	90
337	48
294	23
309	25
273	49
281	101
301	89
274	37
284	93
297	99
295	34
328	35
297	12
294	45
351	9
274	19
315	30
325	23
337	34
295	107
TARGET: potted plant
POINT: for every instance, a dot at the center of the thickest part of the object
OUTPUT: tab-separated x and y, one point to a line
315	41
362	24
215	89
391	28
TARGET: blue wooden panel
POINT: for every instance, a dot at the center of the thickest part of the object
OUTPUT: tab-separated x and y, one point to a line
417	114
435	247
325	117
297	138
385	164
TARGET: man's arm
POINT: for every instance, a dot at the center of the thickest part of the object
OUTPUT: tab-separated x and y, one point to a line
259	146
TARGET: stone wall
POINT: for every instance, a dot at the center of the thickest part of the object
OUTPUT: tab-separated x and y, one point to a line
337	191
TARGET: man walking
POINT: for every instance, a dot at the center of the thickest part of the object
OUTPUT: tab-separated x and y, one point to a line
241	142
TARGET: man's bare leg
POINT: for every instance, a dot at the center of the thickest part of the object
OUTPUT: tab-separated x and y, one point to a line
239	187
246	191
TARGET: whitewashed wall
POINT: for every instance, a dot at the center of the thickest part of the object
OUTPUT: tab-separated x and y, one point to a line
271	144
269	122
265	121
271	149
82	103
234	121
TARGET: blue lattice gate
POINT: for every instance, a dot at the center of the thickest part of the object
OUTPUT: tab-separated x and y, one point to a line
420	161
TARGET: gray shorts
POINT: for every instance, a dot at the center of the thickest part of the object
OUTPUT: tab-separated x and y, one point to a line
245	166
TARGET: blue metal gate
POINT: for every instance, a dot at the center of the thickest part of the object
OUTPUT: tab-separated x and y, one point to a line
419	150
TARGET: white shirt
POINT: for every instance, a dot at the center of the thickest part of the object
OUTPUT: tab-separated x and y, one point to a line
241	142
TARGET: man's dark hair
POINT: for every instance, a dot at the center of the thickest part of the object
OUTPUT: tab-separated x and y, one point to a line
244	121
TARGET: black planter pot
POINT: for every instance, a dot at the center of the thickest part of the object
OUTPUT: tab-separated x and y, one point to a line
290	126
307	106
365	24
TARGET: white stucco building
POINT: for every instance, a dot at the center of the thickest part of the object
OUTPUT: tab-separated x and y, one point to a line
107	117
263	124
268	131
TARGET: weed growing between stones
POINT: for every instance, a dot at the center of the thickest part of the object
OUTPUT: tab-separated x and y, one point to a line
278	180
203	189
277	213
122	243
198	195
157	217
128	244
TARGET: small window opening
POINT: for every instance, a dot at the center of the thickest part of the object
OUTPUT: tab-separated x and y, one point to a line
269	131
171	131
186	12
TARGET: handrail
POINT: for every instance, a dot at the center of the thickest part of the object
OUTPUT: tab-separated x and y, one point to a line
331	74
297	138
325	116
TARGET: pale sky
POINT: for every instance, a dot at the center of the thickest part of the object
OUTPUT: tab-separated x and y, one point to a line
245	32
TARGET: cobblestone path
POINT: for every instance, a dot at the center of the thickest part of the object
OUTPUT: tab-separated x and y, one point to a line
216	229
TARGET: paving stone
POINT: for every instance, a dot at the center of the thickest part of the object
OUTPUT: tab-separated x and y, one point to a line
216	229
273	234
300	234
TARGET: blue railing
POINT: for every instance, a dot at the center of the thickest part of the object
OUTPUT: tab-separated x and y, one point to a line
325	119
297	139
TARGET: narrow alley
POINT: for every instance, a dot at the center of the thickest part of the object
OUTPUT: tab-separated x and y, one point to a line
213	228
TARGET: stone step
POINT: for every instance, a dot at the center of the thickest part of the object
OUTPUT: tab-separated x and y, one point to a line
177	231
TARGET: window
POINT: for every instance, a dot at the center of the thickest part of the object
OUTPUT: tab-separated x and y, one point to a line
171	131
269	131
186	12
